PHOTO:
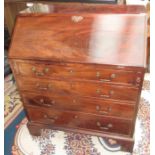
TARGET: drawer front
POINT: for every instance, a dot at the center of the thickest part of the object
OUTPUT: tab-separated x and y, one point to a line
87	105
101	90
79	120
78	71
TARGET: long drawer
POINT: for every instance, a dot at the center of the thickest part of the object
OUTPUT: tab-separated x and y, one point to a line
89	89
81	104
78	71
79	120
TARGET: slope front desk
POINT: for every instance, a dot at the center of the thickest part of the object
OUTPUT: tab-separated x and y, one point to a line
80	68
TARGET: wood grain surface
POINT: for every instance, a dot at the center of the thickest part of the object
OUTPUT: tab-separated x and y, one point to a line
104	107
79	120
105	36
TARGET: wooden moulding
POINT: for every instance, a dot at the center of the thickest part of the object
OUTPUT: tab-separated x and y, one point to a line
125	142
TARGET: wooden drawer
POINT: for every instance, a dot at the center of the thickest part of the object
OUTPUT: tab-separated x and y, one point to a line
83	104
79	120
79	71
89	89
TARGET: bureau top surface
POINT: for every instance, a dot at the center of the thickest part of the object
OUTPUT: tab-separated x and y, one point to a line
100	34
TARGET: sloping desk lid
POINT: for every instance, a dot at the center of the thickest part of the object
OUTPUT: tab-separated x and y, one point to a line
105	34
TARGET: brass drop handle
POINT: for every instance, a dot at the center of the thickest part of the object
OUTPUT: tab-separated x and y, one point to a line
98	108
105	96
105	80
77	19
53	119
111	92
112	76
97	74
42	101
48	87
98	91
138	79
45	70
39	73
107	127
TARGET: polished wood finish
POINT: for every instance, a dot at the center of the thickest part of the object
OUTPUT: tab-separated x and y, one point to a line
87	89
55	70
79	120
89	27
97	106
81	68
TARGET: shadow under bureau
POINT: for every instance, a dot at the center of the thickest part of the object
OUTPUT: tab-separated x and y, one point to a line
80	68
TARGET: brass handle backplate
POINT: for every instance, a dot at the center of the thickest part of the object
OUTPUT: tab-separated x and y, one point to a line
43	102
107	127
112	76
77	19
48	87
138	79
37	73
111	92
53	119
106	111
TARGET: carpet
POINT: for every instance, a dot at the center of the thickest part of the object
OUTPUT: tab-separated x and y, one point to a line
13	105
18	141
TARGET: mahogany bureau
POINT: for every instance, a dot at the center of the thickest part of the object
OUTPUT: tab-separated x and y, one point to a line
80	68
